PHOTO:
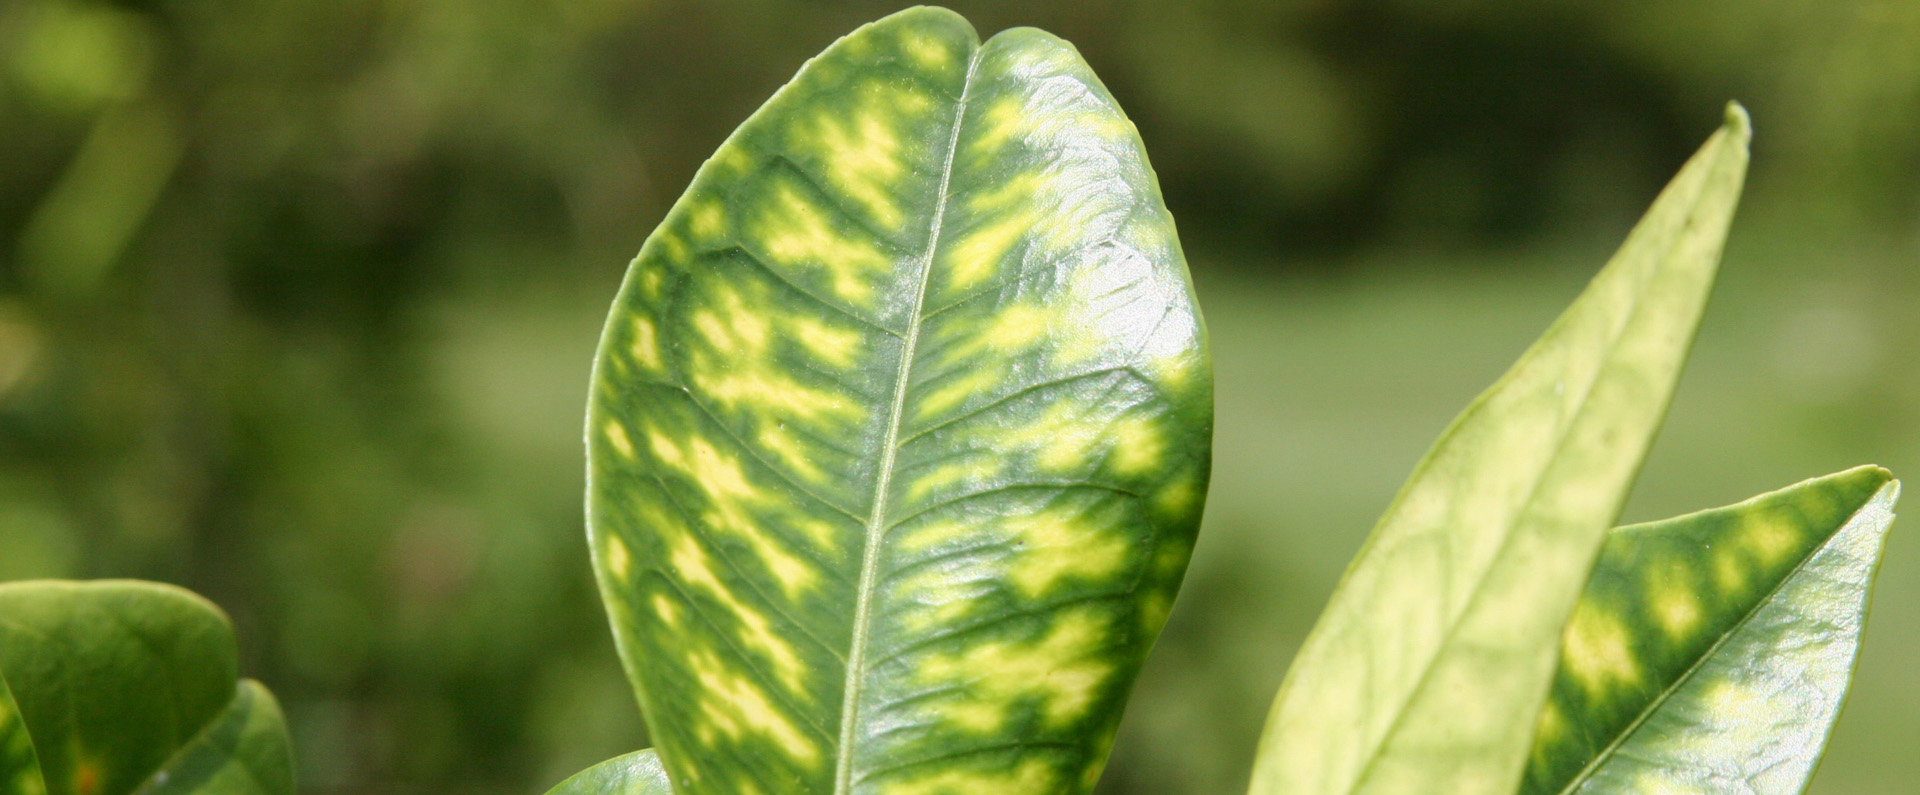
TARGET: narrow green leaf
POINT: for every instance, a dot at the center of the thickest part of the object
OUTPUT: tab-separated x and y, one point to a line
899	428
1435	654
19	765
243	752
112	679
1711	652
637	773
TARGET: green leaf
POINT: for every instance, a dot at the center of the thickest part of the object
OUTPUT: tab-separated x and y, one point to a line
637	773
243	752
1711	652
19	765
1435	653
121	685
899	428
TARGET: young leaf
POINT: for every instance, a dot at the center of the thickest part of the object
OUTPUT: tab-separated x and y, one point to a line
122	687
1711	652
637	773
899	428
1434	655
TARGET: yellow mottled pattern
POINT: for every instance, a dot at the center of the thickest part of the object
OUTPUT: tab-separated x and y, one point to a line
645	347
619	561
1060	439
802	236
1770	538
667	611
1032	777
956	390
981	253
1138	446
832	344
1597	650
1002	122
696	569
617	436
707	220
1063	543
861	152
733	705
1063	669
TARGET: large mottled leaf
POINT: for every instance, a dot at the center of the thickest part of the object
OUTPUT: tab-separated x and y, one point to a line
1435	653
122	686
1711	652
637	773
899	428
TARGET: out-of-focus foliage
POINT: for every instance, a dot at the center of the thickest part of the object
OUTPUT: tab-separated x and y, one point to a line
297	301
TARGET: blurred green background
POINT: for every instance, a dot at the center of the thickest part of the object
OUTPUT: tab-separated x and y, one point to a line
297	301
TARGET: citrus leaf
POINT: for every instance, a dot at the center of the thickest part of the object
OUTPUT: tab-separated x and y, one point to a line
1711	652
1435	653
899	428
19	765
637	773
243	752
113	679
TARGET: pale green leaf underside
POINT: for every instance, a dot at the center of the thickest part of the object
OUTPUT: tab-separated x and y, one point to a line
1711	652
899	428
637	773
119	684
1434	655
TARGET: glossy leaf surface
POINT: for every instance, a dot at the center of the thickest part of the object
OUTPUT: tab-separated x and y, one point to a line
899	428
637	773
1434	655
121	685
1711	652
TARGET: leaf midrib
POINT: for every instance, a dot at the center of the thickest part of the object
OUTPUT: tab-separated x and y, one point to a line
1712	651
889	451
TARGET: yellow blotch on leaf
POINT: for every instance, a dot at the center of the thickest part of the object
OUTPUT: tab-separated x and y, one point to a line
733	705
1061	438
645	347
668	612
1032	777
707	220
1769	538
619	561
800	235
1138	446
831	344
617	436
1064	670
956	390
755	383
1597	650
695	569
1004	120
930	53
983	251
1057	544
1676	608
785	447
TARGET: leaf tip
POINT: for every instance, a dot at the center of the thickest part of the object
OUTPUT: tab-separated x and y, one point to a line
1738	125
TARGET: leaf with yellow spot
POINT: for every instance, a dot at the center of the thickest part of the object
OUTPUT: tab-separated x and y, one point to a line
1432	661
1701	687
637	773
123	687
900	428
